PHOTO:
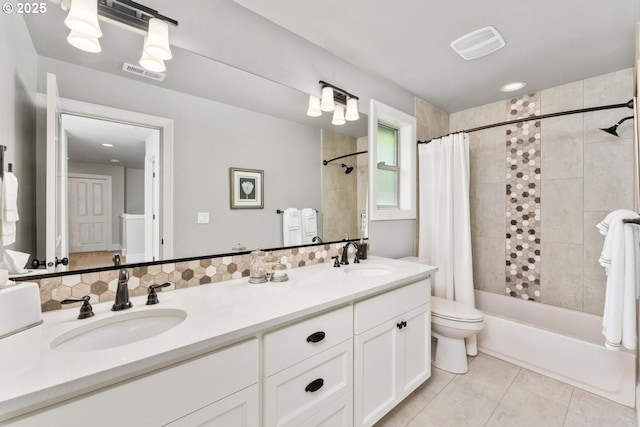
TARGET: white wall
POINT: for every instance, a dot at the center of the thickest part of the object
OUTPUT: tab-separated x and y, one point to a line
17	119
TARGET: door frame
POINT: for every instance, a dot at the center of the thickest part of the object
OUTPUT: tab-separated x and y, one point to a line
165	125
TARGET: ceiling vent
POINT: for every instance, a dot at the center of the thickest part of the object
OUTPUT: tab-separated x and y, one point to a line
135	69
478	43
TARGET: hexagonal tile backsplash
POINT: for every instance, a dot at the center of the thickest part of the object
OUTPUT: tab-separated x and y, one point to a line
101	286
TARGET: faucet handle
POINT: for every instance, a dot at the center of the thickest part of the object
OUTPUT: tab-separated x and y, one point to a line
86	310
153	296
116	259
336	261
356	260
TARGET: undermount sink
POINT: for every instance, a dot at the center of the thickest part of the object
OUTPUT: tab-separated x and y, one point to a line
368	270
118	330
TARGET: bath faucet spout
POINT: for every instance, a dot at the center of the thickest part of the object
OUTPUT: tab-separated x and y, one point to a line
122	293
345	253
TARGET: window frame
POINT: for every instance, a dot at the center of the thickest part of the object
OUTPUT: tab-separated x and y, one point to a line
406	146
395	168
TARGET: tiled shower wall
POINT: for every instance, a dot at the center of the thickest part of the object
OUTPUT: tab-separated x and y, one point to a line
578	173
339	190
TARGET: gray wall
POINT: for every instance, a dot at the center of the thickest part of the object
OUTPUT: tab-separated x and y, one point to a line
209	138
17	119
134	191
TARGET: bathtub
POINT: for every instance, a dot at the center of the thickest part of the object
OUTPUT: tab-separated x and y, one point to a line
563	344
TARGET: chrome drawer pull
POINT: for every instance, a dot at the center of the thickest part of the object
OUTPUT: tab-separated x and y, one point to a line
314	385
316	337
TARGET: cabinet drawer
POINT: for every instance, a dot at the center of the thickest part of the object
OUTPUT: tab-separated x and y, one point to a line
337	414
290	345
301	390
178	390
377	310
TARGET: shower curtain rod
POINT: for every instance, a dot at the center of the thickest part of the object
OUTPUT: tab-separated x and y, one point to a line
326	162
628	104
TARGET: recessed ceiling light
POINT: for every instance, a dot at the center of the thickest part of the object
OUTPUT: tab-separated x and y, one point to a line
512	87
115	161
107	145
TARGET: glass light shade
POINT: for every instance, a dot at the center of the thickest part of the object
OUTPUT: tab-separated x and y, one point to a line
83	18
314	106
338	115
352	110
157	42
150	63
82	42
327	103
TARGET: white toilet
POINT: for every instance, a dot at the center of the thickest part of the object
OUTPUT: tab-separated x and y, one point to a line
451	323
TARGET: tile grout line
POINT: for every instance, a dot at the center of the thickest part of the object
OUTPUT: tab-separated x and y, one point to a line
503	396
432	399
566	414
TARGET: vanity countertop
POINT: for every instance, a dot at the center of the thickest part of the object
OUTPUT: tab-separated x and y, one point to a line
218	314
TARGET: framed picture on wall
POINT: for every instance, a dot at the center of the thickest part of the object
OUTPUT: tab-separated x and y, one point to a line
246	188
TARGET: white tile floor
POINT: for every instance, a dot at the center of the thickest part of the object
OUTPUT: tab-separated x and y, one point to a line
495	393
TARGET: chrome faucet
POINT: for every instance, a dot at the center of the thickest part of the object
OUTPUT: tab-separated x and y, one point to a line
345	253
122	293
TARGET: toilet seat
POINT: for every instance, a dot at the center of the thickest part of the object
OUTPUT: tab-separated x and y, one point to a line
455	311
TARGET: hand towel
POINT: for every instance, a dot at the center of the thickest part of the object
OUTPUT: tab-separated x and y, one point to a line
309	225
15	261
619	257
9	205
291	230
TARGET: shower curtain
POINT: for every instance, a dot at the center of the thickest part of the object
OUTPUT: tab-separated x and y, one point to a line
445	230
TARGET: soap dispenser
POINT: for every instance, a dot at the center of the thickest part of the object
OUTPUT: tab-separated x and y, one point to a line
258	269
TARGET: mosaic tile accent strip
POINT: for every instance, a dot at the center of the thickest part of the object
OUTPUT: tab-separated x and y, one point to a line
523	156
101	286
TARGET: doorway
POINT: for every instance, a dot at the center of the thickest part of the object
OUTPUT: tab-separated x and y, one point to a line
112	185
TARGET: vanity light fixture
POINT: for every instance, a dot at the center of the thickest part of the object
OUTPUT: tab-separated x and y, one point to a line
150	62
82	20
82	42
334	99
106	144
83	17
338	115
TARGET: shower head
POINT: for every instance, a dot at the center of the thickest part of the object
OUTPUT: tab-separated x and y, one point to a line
348	169
612	130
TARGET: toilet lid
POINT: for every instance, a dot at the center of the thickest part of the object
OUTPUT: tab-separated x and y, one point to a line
452	310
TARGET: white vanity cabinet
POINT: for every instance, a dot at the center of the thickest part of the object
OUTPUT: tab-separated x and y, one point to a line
308	370
220	388
391	349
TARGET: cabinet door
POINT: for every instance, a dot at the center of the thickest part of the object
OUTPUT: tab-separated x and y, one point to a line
375	373
238	410
416	350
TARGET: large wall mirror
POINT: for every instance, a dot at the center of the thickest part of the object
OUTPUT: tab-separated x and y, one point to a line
220	117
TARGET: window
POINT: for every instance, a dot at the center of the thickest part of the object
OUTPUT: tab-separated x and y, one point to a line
387	167
392	160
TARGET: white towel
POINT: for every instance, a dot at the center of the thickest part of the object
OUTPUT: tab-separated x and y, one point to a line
9	214
291	230
309	225
619	258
